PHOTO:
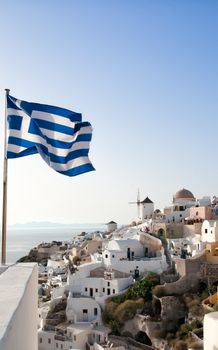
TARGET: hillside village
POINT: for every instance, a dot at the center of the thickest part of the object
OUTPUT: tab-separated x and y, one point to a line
149	285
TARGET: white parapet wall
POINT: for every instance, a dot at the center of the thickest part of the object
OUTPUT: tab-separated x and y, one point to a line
210	331
18	307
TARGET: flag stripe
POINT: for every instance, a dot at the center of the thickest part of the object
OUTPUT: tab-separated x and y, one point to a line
78	170
29	107
17	145
14	151
34	139
53	118
44	124
72	163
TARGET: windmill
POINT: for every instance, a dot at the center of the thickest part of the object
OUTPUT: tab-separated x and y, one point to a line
138	203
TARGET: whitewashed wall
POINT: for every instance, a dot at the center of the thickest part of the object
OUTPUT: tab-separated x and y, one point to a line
18	307
157	265
210	331
78	304
209	231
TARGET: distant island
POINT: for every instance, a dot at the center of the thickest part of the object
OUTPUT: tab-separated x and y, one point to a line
52	224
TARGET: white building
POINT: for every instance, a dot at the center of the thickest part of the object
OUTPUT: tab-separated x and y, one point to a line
100	283
129	248
129	256
209	231
18	307
56	266
183	201
210	331
82	328
82	310
97	283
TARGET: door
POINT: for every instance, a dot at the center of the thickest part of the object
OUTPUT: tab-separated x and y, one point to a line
85	315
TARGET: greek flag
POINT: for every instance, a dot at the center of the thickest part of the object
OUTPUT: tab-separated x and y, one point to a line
57	134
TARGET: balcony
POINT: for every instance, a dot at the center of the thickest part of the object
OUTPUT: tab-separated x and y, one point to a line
60	337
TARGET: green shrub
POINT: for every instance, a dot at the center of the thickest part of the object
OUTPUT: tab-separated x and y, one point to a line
143	288
185	329
109	311
195	324
115	327
119	298
127	310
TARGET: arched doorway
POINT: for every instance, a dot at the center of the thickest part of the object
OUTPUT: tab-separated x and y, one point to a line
161	233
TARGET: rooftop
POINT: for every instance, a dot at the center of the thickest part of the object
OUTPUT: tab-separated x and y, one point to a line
146	200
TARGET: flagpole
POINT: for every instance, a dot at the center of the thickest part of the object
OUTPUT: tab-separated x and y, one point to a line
5	176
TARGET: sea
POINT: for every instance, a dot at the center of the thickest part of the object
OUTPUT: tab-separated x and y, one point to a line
22	238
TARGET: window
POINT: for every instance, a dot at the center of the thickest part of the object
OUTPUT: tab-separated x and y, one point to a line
40	340
103	290
95	311
49	340
56	345
85	311
211	231
106	256
196	213
113	291
112	255
108	284
96	290
86	289
74	337
205	230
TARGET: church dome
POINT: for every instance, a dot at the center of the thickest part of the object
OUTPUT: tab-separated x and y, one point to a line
184	194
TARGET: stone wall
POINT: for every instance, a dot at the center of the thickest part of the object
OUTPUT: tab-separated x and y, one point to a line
168	278
209	270
192	230
129	343
183	285
171	230
186	267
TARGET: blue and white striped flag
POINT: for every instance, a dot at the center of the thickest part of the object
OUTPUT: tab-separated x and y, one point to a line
57	134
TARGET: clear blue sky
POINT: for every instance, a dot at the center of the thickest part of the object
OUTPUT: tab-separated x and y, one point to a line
144	73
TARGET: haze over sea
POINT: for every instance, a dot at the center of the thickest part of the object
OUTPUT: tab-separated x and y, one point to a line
21	238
